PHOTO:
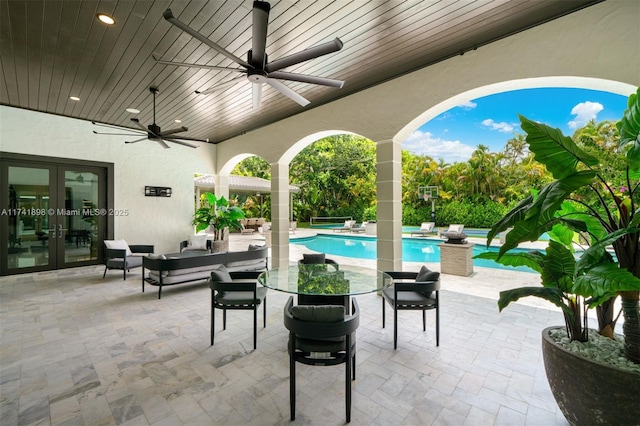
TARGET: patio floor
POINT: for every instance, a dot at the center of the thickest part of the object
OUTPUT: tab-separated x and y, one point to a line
77	349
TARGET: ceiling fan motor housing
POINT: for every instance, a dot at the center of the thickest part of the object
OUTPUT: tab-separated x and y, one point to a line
154	130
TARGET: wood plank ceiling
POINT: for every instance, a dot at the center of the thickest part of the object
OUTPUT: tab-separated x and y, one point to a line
53	49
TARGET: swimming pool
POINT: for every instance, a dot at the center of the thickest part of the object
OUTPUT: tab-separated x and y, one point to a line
413	250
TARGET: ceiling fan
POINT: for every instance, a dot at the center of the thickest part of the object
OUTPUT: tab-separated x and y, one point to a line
153	131
257	68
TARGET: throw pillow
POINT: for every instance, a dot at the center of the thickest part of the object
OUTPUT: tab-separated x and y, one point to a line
314	258
422	274
197	242
322	313
255	247
221	274
118	245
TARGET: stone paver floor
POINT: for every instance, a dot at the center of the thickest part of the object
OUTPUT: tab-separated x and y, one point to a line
77	349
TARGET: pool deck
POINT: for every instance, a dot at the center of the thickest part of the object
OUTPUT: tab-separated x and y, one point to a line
484	282
79	349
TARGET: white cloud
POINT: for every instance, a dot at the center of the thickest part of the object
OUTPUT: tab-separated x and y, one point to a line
501	127
584	112
424	143
468	105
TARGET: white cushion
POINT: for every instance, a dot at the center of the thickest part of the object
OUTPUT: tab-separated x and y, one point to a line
118	245
197	242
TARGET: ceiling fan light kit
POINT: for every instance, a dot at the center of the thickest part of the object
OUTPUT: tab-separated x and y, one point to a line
153	132
257	68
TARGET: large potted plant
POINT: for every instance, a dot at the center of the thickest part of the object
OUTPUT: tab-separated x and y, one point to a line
218	217
597	201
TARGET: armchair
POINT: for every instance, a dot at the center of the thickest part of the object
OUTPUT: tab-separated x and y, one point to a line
237	291
413	291
321	335
120	255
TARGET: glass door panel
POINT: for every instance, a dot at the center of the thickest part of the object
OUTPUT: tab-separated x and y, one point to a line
29	218
51	215
78	225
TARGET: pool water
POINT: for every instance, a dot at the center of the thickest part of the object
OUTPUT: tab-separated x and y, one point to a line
413	250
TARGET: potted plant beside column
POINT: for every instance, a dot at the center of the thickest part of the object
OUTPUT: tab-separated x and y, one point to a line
218	217
596	195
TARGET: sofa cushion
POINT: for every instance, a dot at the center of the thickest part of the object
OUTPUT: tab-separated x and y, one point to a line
197	242
118	245
175	279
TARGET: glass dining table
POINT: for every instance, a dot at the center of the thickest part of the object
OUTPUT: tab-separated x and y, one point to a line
325	284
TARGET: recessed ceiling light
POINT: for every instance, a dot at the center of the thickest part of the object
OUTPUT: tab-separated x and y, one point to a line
106	19
74	98
177	121
133	110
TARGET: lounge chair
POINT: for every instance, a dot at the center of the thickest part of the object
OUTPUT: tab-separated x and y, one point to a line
358	229
348	224
455	229
426	228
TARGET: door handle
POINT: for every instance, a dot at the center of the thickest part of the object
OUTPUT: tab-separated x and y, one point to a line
60	230
52	232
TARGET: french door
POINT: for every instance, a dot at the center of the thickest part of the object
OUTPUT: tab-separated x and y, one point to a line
51	215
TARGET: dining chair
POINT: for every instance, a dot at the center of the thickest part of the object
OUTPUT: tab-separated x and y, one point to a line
237	291
315	259
321	335
413	291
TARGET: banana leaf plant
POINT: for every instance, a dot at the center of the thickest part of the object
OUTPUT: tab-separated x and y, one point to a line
582	200
217	213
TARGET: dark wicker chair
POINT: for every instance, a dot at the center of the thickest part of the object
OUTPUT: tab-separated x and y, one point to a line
321	335
237	291
413	291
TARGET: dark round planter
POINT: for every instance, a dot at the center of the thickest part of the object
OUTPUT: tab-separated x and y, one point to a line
589	393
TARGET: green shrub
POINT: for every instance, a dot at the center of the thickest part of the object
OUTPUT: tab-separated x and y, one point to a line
472	215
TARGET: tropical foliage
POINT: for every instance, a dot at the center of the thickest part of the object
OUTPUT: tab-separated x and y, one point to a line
217	213
333	184
595	195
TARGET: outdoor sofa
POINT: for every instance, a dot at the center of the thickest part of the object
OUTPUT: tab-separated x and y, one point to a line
164	271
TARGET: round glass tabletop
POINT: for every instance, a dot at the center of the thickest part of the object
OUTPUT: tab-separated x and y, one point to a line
325	280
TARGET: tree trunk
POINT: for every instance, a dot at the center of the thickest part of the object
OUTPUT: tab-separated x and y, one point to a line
631	326
606	323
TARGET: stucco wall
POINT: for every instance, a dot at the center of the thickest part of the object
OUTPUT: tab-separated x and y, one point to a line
162	221
600	42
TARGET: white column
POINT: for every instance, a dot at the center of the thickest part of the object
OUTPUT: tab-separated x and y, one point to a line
389	214
279	215
222	186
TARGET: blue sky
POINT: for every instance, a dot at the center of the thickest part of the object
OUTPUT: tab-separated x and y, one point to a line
492	120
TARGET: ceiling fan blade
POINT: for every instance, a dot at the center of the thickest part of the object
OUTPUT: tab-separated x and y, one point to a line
282	75
221	86
137	140
186	138
305	55
162	143
168	15
257	95
180	143
137	123
259	35
111	126
117	134
206	67
172	131
287	92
